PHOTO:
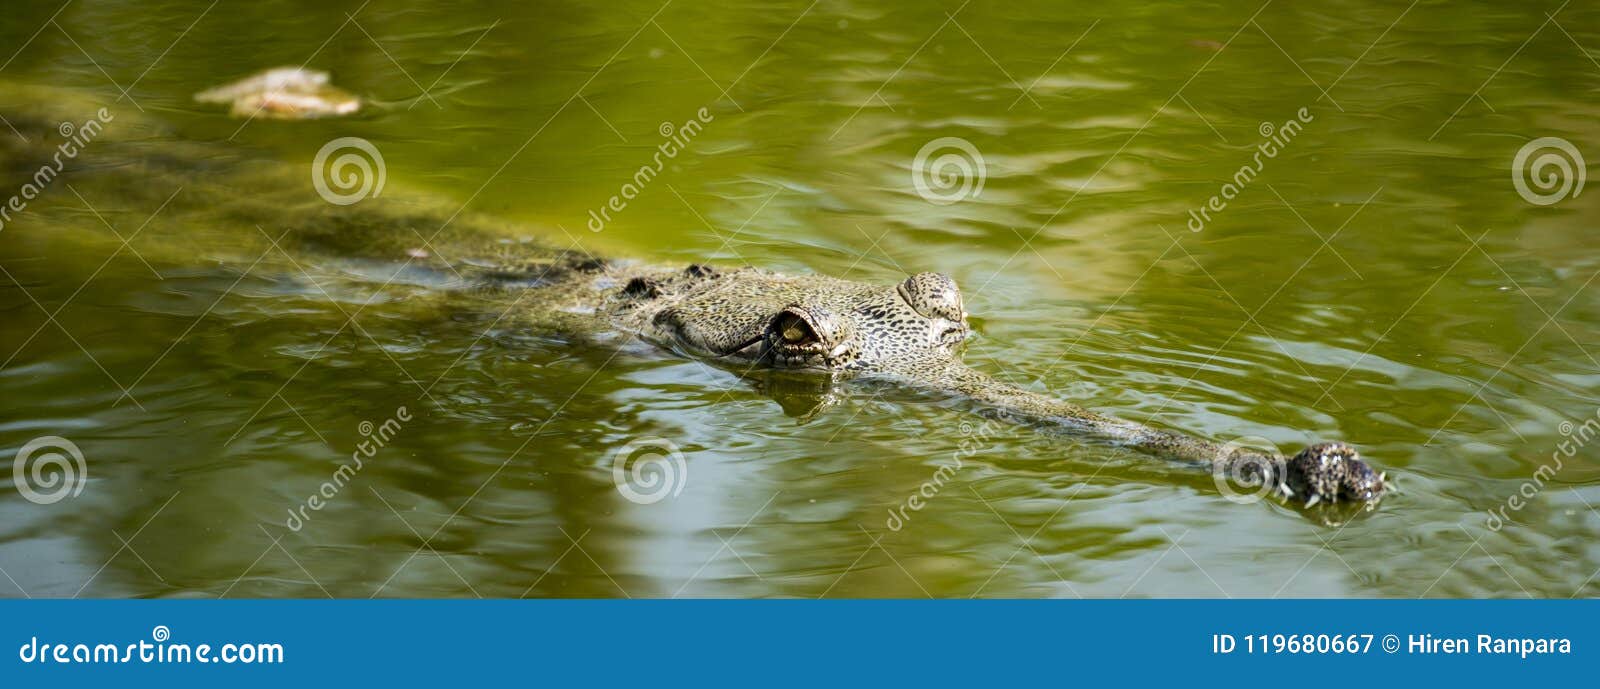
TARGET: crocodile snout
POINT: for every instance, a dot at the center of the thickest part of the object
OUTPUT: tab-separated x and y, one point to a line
1332	472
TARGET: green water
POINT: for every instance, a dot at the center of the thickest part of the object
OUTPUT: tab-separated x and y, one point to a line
1380	281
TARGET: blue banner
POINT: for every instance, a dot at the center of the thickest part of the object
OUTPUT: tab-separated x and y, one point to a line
792	643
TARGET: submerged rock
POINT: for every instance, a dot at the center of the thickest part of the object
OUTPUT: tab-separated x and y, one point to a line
288	93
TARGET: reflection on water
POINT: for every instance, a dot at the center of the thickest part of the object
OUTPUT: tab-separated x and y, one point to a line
1377	279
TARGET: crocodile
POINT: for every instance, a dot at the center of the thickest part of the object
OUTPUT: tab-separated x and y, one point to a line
910	333
829	329
833	330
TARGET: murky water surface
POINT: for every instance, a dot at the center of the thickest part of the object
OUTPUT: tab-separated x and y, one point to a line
1377	279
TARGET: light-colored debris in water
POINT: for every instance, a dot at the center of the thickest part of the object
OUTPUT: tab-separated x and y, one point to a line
288	93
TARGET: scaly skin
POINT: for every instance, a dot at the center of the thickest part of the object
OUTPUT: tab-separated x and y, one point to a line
910	333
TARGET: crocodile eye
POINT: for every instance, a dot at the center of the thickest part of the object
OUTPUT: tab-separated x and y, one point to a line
809	328
795	330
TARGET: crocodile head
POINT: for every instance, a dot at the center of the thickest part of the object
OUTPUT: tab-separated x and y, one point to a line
804	322
1332	472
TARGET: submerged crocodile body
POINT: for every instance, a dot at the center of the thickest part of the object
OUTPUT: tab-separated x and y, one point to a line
745	319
